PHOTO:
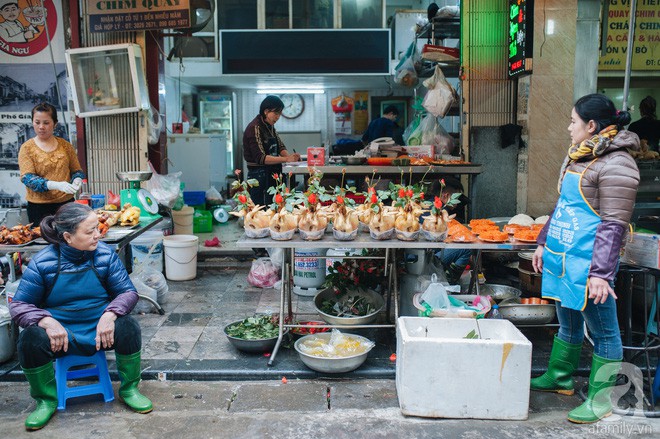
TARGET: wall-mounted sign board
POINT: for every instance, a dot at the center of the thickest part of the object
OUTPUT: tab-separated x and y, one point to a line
646	47
521	32
137	15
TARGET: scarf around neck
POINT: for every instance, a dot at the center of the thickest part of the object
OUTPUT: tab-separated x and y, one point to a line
588	149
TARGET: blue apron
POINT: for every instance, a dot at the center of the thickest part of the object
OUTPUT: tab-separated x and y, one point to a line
78	300
569	246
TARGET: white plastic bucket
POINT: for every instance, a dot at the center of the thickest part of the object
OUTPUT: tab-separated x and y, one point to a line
183	220
309	270
180	256
143	244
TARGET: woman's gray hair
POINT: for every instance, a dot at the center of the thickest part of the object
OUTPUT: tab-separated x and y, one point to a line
67	219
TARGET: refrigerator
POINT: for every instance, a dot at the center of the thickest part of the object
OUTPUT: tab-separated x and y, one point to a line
217	116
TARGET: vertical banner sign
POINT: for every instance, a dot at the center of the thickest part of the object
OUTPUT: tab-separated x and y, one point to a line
27	77
342	106
646	47
137	15
521	19
361	113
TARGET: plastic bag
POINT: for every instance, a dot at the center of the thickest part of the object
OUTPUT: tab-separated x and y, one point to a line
164	188
114	199
144	306
441	95
154	279
276	256
263	273
213	195
405	72
430	132
435	302
411	129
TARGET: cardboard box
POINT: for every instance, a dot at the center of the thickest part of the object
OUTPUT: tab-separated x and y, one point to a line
442	374
315	156
420	150
642	250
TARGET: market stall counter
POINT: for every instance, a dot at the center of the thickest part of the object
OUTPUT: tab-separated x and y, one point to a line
362	241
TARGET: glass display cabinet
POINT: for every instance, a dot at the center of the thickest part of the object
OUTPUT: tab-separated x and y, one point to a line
107	80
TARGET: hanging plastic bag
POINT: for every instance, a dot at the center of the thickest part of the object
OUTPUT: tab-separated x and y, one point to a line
441	95
405	72
410	129
430	132
263	273
164	188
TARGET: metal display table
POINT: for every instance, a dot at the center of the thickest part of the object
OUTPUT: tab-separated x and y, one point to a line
362	241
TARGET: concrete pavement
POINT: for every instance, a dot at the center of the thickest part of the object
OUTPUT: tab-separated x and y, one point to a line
296	409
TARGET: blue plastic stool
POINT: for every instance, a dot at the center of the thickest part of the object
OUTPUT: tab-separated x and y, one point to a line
99	369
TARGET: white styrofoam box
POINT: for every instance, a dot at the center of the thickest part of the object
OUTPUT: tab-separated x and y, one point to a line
441	374
642	250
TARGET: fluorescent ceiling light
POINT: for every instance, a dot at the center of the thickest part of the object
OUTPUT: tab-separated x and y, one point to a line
277	91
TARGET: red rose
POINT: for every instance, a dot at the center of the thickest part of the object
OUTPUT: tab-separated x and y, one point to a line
372	190
374	198
312	198
437	203
421	195
242	199
286	191
340	199
278	198
442	182
409	193
276	177
402	193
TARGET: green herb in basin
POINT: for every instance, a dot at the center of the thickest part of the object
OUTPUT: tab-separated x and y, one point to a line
254	328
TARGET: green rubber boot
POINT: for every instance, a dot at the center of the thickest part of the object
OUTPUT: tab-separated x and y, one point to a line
43	389
598	404
129	370
564	360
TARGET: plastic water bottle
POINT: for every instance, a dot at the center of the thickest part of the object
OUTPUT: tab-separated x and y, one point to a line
495	312
85	196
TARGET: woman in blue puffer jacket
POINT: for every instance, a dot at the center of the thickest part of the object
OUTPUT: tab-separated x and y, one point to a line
75	298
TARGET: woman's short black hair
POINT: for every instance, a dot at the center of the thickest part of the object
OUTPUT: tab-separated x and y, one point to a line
647	107
601	109
391	109
45	107
271	103
67	219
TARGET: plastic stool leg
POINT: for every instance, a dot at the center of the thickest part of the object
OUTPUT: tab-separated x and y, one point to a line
100	370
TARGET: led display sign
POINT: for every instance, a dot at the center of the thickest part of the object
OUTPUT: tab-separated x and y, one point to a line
521	31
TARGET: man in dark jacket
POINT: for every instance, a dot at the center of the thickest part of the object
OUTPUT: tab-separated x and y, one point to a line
384	126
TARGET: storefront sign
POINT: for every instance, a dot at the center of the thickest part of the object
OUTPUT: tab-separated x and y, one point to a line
646	47
521	18
137	15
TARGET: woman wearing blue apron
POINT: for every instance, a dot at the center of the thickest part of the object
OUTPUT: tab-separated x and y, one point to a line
263	150
74	298
579	247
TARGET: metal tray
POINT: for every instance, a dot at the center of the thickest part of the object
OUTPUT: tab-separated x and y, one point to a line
532	314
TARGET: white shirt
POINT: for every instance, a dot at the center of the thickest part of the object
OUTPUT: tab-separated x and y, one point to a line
12	32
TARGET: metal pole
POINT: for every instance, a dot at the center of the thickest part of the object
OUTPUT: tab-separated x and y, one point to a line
631	41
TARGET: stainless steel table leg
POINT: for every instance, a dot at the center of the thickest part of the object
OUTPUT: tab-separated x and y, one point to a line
283	287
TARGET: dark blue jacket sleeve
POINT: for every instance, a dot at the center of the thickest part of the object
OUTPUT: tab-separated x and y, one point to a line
24	308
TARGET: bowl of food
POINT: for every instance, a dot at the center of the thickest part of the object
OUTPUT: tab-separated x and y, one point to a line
357	307
255	334
312	327
333	352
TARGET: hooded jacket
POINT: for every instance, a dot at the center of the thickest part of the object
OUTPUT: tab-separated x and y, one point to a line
609	184
39	278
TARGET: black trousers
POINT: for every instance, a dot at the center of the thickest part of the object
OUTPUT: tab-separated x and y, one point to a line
37	212
34	344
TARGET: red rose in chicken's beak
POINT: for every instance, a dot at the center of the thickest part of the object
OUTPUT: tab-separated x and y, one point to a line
437	202
312	198
278	198
421	195
409	193
242	199
374	198
340	199
402	193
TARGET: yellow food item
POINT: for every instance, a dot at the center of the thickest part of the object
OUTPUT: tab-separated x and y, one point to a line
283	221
130	215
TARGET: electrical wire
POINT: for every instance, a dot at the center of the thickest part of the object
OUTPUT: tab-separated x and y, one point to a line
52	61
541	48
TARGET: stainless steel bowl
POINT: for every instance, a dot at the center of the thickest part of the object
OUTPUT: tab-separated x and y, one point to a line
134	176
374	298
499	292
331	365
531	314
254	346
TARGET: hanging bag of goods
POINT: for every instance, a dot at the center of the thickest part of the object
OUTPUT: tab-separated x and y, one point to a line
440	96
